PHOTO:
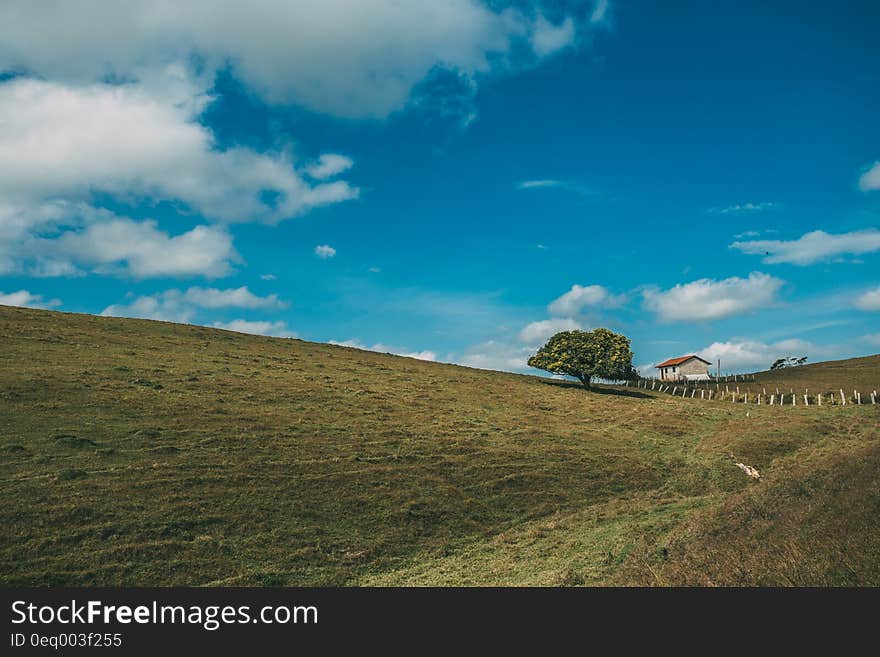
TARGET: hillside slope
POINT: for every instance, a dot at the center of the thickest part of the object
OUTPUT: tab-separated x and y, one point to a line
146	453
862	374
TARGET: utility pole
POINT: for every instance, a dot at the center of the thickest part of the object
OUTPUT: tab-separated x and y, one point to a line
718	371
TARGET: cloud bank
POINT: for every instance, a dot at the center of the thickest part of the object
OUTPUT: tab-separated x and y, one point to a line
708	299
350	58
813	247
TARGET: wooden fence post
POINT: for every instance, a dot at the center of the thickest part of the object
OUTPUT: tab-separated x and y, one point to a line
842	398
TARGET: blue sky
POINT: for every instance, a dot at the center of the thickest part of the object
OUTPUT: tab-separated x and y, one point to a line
454	181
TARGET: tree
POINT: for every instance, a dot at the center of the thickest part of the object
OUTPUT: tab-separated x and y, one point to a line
586	355
788	361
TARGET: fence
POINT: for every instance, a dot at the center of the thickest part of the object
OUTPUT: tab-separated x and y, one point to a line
721	391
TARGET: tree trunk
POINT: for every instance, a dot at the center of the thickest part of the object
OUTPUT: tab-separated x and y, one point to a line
585	381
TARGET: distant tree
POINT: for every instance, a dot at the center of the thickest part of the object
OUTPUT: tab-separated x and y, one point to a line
586	355
788	361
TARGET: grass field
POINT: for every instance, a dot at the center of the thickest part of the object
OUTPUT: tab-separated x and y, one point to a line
146	453
862	374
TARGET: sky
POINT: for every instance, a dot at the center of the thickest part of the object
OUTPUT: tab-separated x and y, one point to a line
451	181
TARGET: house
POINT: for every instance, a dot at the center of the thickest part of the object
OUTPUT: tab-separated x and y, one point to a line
684	368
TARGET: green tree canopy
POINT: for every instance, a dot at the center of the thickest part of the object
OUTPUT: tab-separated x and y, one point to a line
586	355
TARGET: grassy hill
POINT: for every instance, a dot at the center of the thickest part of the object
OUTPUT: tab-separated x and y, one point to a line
862	374
146	453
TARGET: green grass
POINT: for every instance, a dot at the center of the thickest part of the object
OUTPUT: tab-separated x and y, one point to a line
146	453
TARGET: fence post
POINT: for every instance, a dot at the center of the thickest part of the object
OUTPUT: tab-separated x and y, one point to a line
819	399
842	398
772	399
806	401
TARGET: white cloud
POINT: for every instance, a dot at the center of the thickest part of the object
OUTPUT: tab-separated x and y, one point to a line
870	300
870	179
268	277
386	349
182	306
24	299
742	208
274	329
125	247
60	145
538	332
493	355
752	355
59	141
163	307
329	165
352	58
600	11
240	297
419	355
537	184
816	246
325	251
548	38
579	296
551	183
710	299
872	339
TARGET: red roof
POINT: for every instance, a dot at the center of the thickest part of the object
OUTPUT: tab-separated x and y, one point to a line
681	359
